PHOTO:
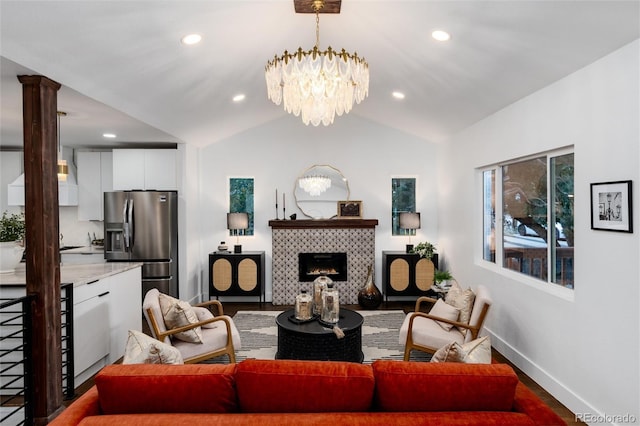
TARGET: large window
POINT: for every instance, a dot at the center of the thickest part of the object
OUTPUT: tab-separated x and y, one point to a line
536	207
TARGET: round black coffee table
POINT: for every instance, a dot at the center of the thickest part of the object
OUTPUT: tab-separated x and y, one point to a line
317	341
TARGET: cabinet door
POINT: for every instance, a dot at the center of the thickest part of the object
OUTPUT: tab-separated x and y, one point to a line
160	169
90	332
125	310
128	169
89	188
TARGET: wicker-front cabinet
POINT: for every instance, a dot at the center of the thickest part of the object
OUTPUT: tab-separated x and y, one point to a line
236	274
407	274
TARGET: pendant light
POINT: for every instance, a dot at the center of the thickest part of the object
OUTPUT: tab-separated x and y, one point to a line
63	169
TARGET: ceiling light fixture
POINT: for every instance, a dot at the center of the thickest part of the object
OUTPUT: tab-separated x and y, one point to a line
191	39
317	83
108	135
440	35
398	95
63	169
239	97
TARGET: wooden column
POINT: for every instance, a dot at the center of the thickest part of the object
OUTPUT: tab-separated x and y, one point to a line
39	99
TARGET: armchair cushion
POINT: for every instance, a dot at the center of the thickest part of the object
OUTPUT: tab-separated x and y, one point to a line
445	311
475	352
143	349
463	300
427	332
177	313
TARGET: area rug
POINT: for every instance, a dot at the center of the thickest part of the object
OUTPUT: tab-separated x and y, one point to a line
259	336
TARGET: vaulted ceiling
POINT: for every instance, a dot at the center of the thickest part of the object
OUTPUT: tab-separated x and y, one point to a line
124	70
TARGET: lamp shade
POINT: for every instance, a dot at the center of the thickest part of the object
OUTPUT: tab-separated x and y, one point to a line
237	220
409	220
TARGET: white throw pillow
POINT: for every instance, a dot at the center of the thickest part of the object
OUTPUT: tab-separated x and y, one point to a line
474	352
463	300
445	311
204	314
143	349
177	313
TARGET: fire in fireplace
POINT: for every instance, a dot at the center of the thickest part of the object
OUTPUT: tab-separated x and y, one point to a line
313	265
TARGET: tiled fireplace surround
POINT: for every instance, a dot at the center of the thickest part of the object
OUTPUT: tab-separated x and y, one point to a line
356	237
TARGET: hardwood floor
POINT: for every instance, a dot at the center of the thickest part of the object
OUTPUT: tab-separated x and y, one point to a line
232	308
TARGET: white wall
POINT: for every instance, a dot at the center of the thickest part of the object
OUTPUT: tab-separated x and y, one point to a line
584	347
277	153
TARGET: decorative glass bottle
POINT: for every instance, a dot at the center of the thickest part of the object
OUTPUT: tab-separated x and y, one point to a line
319	284
369	297
304	306
330	304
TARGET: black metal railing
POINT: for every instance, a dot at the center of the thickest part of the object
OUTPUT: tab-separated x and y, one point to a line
16	349
16	385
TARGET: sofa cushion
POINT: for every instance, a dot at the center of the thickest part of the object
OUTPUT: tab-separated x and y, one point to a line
415	386
148	388
143	349
271	386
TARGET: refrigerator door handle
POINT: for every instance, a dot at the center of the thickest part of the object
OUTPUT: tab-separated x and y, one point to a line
132	230
125	225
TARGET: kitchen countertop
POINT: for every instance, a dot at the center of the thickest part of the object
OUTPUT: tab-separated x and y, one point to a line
84	250
79	274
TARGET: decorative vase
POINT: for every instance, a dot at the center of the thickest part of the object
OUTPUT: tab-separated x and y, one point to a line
304	306
369	297
330	304
10	255
319	284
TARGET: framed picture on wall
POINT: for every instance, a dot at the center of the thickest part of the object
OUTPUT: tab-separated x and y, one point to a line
350	209
611	206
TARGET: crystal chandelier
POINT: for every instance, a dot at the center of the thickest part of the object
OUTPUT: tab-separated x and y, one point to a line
314	185
317	83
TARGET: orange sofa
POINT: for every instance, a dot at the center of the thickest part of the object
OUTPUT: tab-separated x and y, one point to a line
281	392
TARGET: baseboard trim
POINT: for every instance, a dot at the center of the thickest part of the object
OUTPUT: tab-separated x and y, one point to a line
557	389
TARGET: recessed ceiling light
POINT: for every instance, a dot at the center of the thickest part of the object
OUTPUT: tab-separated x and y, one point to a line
398	95
109	135
191	39
239	97
440	35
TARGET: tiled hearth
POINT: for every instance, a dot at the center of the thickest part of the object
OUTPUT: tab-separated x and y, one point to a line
356	237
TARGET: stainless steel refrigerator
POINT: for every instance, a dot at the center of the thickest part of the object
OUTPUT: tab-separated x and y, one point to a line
142	226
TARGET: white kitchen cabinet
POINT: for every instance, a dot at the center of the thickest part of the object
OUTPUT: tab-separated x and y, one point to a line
145	169
10	168
95	177
125	311
91	333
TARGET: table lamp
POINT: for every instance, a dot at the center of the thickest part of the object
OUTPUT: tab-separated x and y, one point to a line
235	223
409	221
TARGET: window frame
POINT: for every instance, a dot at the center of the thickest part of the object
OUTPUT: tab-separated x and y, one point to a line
497	264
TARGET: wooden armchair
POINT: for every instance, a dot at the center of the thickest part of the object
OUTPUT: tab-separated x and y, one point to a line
219	334
421	332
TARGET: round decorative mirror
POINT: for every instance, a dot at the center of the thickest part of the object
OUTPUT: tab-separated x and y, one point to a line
318	191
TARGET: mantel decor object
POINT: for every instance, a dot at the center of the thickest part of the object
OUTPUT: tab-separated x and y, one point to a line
369	297
350	209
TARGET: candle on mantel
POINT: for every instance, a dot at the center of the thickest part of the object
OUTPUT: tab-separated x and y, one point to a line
276	196
283	204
